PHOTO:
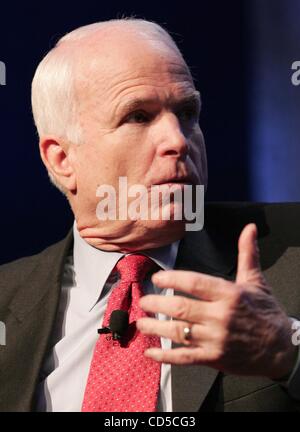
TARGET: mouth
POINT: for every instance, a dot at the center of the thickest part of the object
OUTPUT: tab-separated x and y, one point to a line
180	180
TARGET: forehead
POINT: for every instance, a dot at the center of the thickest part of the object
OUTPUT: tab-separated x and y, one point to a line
132	69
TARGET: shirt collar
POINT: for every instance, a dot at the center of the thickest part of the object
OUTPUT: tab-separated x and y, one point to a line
93	266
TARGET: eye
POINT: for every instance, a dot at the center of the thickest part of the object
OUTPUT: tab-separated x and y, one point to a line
188	114
139	116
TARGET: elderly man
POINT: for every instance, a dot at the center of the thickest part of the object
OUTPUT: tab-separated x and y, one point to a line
116	100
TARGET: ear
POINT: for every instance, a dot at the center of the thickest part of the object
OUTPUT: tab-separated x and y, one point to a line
56	157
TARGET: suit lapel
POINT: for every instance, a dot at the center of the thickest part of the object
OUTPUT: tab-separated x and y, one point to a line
29	324
201	252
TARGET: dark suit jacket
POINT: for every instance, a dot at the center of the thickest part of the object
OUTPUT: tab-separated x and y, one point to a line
30	291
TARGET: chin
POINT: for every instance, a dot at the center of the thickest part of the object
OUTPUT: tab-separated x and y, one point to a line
130	236
155	234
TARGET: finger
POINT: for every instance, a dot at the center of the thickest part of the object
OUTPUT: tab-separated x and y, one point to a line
179	356
173	330
199	285
176	307
248	256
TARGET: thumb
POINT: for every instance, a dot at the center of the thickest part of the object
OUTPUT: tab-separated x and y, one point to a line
248	256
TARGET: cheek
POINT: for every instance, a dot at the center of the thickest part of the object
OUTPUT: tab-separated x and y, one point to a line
89	166
99	166
198	154
131	153
140	152
124	153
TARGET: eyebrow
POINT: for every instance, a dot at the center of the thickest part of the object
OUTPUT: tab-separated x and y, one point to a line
193	98
132	104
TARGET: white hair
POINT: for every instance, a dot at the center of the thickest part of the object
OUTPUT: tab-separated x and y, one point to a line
54	103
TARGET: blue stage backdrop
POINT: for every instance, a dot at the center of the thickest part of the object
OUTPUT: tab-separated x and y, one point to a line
273	120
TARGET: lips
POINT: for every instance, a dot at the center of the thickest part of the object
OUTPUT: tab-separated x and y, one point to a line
180	180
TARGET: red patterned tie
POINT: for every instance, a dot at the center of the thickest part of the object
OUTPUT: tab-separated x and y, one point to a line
121	378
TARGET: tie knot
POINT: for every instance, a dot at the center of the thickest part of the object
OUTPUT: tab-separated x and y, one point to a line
133	268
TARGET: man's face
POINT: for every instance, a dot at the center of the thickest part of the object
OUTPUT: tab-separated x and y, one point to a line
139	113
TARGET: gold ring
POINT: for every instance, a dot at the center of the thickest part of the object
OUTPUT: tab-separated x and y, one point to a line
187	333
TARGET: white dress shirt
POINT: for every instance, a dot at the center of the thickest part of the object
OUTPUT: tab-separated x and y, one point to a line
86	285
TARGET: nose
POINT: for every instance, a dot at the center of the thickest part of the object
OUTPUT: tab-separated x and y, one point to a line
171	139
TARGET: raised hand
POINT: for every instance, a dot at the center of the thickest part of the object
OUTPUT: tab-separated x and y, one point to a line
236	327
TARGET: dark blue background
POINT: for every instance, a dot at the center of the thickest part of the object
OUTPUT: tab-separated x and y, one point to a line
240	53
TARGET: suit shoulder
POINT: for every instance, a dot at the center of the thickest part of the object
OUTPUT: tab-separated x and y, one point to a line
252	209
15	273
279	219
25	265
